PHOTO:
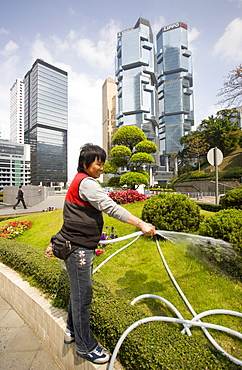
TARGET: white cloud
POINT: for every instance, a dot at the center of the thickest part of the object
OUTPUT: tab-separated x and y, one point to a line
193	35
239	2
100	54
158	24
85	114
3	31
229	45
39	49
10	48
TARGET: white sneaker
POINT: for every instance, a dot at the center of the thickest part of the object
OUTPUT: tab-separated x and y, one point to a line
98	356
68	338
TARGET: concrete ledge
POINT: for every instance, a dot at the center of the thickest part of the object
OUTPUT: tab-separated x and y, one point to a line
47	322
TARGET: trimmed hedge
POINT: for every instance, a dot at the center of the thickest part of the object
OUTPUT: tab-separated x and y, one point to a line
227	225
150	346
174	212
209	206
232	199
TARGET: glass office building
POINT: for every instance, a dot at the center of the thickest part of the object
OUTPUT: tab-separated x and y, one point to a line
14	164
136	80
45	122
174	86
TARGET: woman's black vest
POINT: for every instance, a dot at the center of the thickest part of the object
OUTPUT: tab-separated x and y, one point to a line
82	222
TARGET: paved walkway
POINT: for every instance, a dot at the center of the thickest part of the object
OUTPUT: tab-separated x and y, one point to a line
20	349
56	201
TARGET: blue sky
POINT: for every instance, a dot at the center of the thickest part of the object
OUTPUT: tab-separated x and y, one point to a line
80	37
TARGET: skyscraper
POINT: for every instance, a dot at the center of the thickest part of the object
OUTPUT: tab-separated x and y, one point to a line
17	112
45	122
136	80
175	96
109	93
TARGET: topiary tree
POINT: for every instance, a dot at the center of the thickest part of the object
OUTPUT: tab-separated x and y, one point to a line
174	212
134	179
232	199
132	150
114	182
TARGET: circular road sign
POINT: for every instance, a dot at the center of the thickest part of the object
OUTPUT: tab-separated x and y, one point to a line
211	156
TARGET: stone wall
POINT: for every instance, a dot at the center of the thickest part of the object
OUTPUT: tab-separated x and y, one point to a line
205	186
33	194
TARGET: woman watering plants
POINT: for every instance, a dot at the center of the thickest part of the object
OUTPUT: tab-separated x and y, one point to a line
82	227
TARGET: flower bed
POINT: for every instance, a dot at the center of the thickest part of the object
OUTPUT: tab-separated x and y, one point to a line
126	197
14	228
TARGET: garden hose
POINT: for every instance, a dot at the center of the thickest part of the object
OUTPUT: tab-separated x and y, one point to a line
186	323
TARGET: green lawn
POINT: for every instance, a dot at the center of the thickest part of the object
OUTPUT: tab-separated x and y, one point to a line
139	270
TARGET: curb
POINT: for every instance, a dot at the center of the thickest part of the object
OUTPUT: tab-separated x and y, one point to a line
46	321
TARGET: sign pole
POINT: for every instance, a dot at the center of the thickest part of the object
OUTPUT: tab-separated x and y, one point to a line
215	158
216	174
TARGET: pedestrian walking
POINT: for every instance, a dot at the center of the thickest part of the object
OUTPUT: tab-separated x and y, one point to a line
82	228
20	198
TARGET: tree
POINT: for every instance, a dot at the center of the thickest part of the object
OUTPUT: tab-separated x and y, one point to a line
231	91
195	145
129	136
220	132
134	151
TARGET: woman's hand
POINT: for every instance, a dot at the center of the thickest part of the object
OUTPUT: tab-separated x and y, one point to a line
147	229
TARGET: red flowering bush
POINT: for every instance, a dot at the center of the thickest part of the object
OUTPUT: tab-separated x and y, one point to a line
126	197
14	228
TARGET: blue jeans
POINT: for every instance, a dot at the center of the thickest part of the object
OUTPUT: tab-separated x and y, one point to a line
79	267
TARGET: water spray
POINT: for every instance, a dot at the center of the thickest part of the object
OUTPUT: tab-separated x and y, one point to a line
171	236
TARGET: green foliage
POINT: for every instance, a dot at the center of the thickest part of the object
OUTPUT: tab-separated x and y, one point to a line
150	346
219	132
119	162
172	212
141	158
110	167
128	136
232	199
146	146
209	206
133	179
32	263
120	151
195	145
233	173
225	224
114	182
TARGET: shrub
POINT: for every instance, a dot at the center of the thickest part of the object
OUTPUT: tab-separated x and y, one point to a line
114	181
126	197
209	206
231	174
225	225
172	212
232	199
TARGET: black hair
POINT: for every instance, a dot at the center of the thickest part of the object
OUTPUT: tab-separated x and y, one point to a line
88	154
